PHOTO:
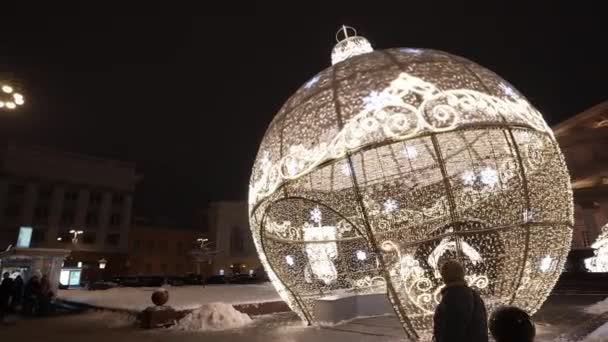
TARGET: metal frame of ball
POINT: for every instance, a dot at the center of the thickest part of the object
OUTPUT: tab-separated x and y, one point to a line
379	113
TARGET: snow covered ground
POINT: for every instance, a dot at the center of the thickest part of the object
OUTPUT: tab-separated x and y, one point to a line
180	297
599	335
559	317
598	308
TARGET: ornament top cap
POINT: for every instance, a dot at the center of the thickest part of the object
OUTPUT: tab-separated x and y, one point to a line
349	46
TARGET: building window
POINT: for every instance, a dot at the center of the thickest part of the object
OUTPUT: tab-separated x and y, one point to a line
95	198
163	246
13	210
150	246
113	239
41	213
148	268
89	238
586	238
115	219
118	199
16	190
71	195
136	245
163	269
237	242
67	217
180	248
178	269
45	192
92	219
39	235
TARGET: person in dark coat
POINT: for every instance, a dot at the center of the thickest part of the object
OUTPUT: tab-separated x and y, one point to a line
17	293
46	294
512	324
461	315
31	295
6	289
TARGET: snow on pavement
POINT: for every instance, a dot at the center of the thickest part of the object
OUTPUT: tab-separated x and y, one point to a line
180	297
599	335
598	308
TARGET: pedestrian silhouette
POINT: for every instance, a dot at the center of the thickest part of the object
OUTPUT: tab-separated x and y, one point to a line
461	314
512	324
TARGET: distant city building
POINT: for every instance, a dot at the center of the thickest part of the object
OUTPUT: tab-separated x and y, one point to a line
71	201
228	226
584	142
163	249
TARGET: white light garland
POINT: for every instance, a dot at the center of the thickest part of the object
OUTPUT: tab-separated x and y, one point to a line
420	157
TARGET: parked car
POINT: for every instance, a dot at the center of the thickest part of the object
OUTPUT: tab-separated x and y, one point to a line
217	279
193	279
130	281
151	281
175	281
242	279
101	285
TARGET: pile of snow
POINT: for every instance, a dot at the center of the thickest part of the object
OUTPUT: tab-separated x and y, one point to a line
180	297
214	316
598	308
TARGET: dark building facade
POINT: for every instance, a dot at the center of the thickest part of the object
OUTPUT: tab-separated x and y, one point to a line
584	142
56	192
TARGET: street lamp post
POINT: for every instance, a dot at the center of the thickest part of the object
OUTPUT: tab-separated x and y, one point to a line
75	234
9	99
202	241
102	266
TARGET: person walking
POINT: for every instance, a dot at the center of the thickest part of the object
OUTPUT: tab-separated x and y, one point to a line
461	314
512	324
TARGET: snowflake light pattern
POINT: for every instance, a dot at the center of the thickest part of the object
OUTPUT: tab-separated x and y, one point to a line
411	152
316	216
488	176
468	177
445	160
390	205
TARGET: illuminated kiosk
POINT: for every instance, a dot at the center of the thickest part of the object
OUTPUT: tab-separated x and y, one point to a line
389	162
22	260
28	262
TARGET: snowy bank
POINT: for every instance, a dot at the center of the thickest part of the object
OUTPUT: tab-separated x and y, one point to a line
180	298
214	316
599	335
598	308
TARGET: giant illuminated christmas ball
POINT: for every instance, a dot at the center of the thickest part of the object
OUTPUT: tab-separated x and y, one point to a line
388	163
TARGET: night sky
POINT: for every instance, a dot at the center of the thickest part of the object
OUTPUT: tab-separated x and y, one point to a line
188	98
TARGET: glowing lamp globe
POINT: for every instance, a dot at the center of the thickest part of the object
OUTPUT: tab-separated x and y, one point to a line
388	163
